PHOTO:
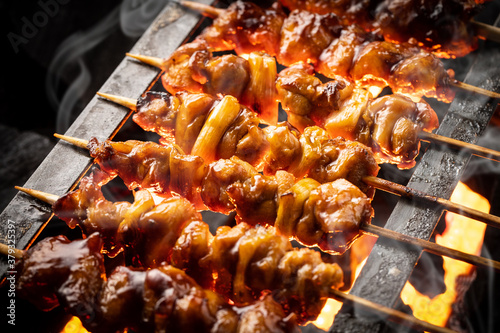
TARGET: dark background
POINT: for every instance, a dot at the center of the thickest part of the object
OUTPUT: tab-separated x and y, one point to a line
50	76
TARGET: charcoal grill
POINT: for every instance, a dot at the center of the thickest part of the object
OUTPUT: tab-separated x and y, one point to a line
388	266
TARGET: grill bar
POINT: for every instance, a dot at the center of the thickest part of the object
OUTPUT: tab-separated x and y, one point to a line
389	265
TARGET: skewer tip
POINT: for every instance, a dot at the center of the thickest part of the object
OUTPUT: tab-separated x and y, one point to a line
153	61
206	10
123	101
45	197
75	141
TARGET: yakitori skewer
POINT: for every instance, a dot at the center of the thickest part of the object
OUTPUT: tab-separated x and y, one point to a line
455	43
370	61
264	307
269	149
443	27
404	156
325	214
487	31
388	186
57	271
390	234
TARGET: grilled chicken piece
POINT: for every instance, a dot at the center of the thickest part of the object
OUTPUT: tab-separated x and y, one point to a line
246	28
398	122
232	184
59	272
194	69
440	26
305	35
383	64
355	115
249	260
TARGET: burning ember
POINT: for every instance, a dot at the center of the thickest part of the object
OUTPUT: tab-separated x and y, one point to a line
74	325
463	234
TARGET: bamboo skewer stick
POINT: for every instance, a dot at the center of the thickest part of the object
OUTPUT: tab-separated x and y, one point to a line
123	101
74	141
474	89
431	247
492	32
207	10
457	144
10	251
153	61
391	314
407	192
486	31
43	196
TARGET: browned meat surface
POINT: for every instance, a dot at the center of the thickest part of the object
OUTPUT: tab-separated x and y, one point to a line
59	272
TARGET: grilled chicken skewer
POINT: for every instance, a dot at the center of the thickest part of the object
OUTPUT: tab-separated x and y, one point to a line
215	193
117	222
326	215
251	80
300	94
444	27
137	299
72	274
391	125
333	48
186	117
173	232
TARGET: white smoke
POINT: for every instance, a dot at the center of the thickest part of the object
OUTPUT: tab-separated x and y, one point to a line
132	16
482	166
136	15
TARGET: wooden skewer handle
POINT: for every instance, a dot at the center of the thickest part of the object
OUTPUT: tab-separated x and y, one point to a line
408	192
74	141
457	144
123	101
487	31
431	247
391	314
207	10
474	89
9	251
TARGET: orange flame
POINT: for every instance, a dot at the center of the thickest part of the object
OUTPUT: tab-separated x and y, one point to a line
359	252
74	325
462	234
